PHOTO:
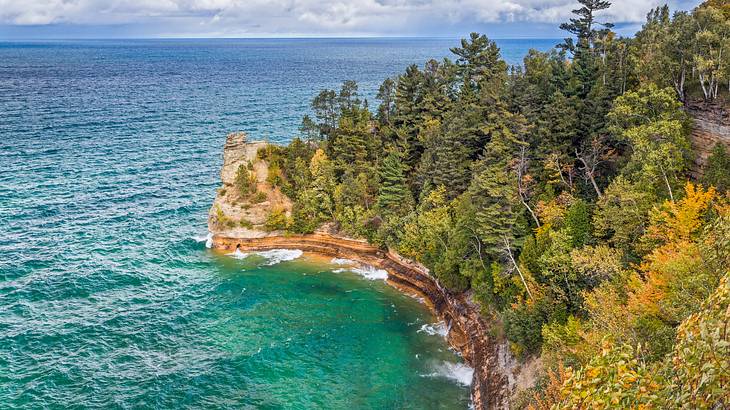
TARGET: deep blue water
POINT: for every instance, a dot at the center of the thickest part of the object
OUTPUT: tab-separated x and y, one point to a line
109	159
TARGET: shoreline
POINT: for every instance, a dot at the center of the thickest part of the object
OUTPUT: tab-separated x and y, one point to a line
469	333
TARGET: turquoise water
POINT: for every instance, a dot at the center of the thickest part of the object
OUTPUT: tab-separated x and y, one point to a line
109	159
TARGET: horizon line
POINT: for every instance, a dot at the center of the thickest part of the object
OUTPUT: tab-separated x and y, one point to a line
304	37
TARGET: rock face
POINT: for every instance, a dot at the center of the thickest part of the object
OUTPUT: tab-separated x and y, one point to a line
469	333
711	126
234	213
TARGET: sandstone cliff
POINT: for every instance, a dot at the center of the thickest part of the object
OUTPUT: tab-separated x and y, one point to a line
239	214
711	125
496	373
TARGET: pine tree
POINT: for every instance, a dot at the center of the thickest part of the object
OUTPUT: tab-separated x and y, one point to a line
394	197
717	170
493	189
583	26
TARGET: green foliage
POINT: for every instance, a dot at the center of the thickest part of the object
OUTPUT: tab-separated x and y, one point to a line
394	197
245	181
615	379
700	367
523	324
259	197
622	214
651	121
717	170
578	223
276	220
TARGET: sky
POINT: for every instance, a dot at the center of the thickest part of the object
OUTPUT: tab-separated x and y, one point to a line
305	18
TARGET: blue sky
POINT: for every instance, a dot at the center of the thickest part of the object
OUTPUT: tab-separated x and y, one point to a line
305	18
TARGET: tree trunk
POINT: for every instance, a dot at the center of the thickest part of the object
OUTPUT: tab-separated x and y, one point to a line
508	249
666	181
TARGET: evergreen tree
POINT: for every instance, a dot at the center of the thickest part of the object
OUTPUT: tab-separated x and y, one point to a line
394	197
717	170
493	189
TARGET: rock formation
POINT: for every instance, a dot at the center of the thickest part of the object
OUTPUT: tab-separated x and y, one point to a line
711	125
238	214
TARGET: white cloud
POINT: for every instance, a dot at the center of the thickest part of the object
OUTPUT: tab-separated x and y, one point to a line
241	17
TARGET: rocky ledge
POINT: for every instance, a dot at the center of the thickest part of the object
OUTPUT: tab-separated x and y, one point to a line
236	223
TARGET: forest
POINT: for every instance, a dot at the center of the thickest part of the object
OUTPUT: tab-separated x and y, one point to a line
557	193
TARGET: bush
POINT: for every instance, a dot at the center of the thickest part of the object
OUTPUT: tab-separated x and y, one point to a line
523	323
259	197
717	170
276	220
245	181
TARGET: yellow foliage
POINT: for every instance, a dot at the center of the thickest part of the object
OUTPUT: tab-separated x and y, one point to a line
681	220
676	264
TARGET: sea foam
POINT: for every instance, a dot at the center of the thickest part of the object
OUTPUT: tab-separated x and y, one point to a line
433	329
208	239
458	372
342	261
272	257
366	271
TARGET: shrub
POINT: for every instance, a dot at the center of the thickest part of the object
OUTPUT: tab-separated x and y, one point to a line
276	220
717	170
245	181
259	197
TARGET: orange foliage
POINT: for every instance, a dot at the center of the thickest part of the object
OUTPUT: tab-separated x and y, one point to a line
551	394
674	226
678	221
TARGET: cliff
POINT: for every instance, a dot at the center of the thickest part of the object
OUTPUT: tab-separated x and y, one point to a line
242	213
496	373
711	125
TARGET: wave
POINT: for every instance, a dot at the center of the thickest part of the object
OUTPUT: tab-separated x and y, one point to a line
433	329
458	372
367	272
272	257
208	239
275	256
342	261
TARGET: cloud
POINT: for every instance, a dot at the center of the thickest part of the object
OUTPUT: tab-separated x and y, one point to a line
305	17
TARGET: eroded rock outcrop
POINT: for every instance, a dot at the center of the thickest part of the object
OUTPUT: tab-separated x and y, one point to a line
243	214
711	125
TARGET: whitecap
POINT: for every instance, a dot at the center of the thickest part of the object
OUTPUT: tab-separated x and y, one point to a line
342	261
275	256
239	255
458	372
370	272
433	329
272	257
208	239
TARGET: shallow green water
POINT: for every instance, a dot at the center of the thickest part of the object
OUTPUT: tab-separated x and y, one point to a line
303	333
